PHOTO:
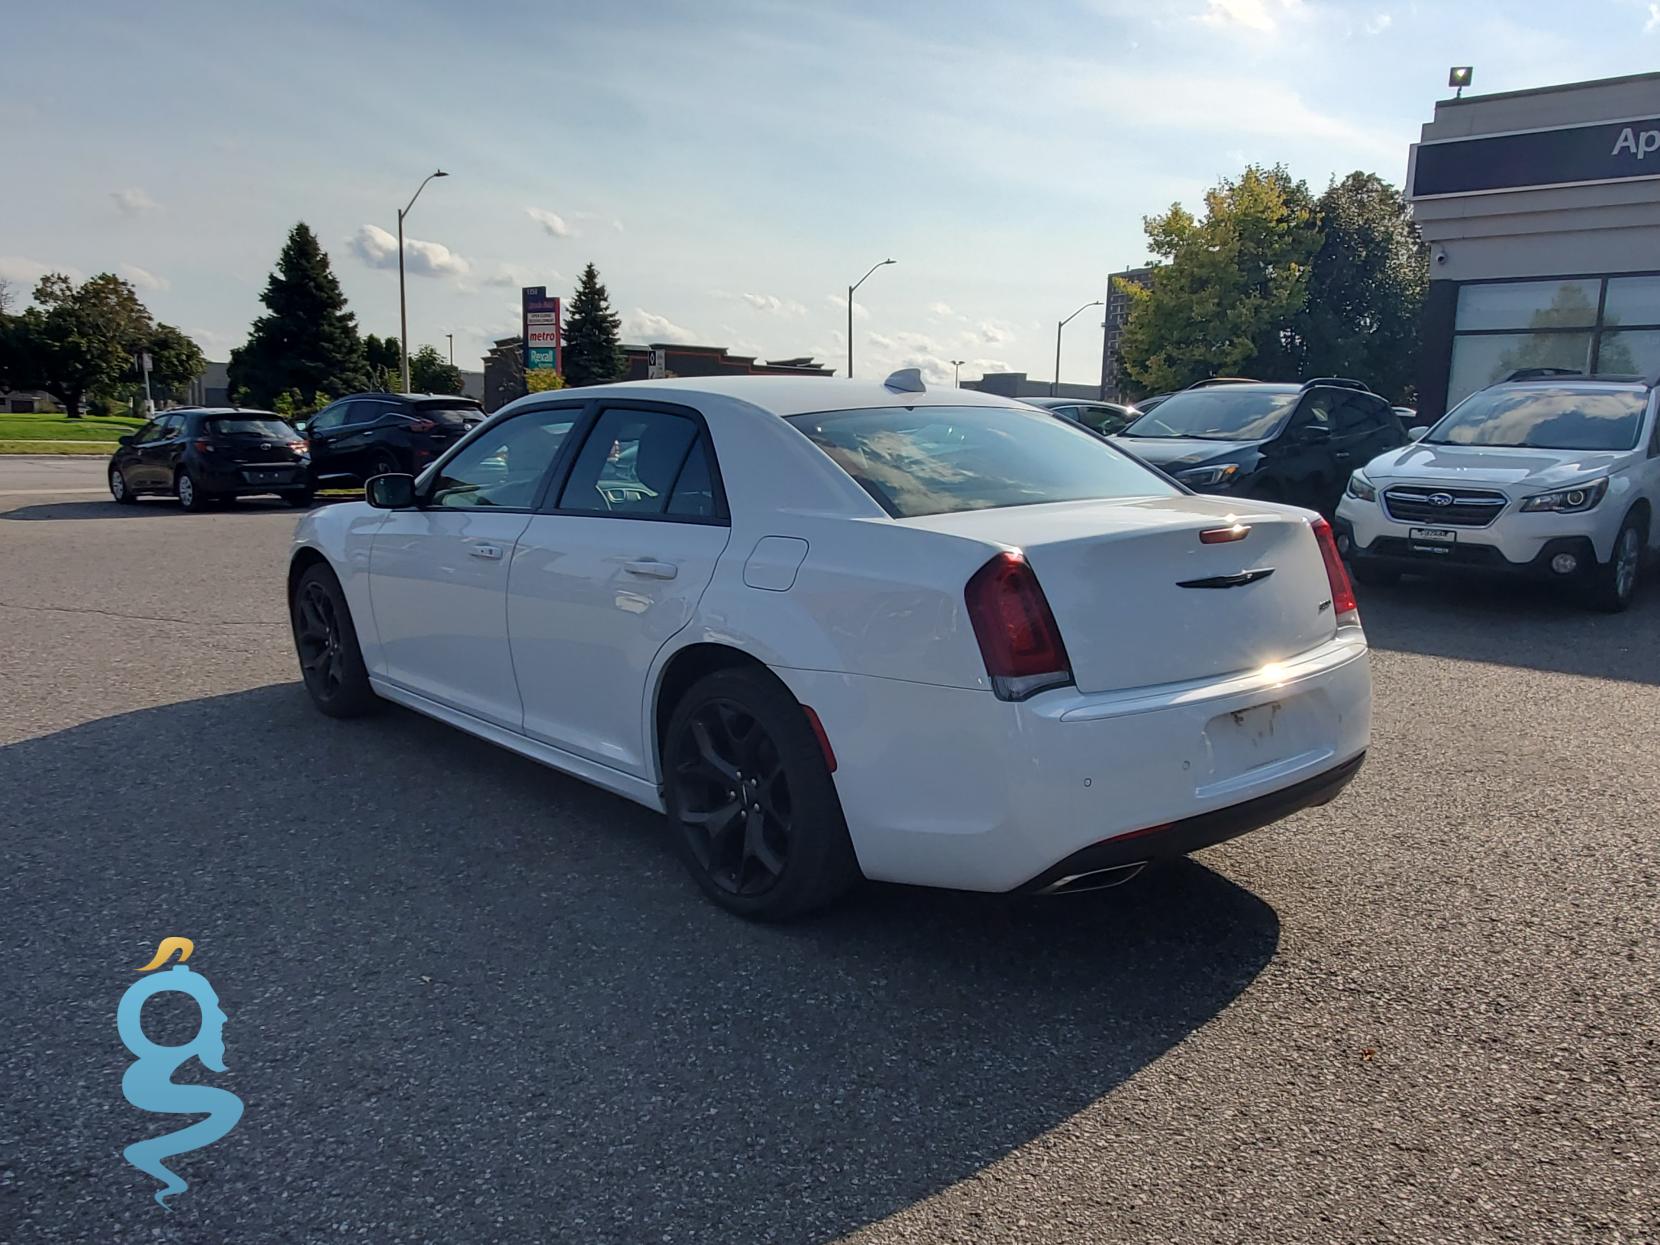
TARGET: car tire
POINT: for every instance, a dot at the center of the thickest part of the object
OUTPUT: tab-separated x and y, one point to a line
383	464
1374	576
298	498
1613	584
325	639
119	489
190	494
781	848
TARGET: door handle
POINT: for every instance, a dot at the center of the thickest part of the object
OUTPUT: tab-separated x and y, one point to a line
652	570
489	552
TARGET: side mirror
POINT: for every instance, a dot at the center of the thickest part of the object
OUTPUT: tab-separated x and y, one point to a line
391	492
300	425
1417	433
126	440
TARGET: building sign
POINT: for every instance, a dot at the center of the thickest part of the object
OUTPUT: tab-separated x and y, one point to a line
1571	155
540	329
658	367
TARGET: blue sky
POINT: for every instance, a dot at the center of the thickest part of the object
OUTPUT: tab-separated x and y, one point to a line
730	167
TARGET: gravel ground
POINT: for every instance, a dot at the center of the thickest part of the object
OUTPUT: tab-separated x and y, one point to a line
473	1001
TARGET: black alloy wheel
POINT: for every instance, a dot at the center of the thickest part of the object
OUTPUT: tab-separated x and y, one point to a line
326	641
749	792
734	798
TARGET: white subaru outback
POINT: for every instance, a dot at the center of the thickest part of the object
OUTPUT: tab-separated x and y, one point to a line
1547	474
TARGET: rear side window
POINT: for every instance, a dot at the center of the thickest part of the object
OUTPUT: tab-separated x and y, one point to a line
243	426
630	463
941	459
449	414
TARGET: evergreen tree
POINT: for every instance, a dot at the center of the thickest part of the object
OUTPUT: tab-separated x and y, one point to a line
385	368
308	341
593	352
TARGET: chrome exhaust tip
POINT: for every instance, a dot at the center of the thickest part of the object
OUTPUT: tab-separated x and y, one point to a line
1094	879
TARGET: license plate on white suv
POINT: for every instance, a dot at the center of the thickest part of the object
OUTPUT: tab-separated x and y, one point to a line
1432	539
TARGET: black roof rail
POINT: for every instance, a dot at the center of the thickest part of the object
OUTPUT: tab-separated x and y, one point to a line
1224	380
1337	382
1540	373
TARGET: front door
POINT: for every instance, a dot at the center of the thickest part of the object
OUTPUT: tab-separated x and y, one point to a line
438	573
159	455
323	432
601	582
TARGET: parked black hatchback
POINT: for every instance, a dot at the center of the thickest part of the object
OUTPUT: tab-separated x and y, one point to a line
1290	443
205	454
377	434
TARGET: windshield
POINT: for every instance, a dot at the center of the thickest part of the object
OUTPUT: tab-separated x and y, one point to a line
942	459
270	428
1226	413
454	415
1544	419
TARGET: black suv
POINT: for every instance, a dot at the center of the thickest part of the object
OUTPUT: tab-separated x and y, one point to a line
1291	443
377	434
206	454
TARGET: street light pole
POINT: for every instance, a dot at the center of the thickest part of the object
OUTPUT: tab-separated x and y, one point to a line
1054	387
403	304
850	290
957	373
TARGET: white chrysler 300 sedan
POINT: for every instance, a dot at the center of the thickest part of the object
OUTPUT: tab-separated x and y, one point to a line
835	629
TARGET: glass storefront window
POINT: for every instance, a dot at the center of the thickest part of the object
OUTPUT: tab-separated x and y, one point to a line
1486	358
1632	300
1637	353
1528	305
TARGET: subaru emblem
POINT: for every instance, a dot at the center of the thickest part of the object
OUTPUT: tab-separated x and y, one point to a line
1440	499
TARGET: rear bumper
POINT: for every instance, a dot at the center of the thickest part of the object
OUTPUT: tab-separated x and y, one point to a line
254	477
951	787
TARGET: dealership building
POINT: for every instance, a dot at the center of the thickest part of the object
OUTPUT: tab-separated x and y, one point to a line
1541	209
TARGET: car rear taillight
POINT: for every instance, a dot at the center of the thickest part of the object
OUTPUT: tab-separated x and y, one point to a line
300	447
417	424
203	445
1343	602
1018	638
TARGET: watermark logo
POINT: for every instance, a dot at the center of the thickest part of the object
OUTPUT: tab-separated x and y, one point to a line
148	1083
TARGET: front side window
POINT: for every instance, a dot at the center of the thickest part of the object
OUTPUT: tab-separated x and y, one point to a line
1223	413
1547	419
630	463
328	417
941	459
504	467
151	432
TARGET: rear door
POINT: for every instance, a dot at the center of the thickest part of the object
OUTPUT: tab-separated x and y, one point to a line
612	569
438	573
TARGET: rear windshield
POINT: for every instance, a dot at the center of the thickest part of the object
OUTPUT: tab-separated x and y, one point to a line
1225	413
272	428
1544	419
453	415
940	459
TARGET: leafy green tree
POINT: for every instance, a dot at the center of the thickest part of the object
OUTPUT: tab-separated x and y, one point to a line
1366	287
308	340
385	367
593	351
1226	297
78	339
430	372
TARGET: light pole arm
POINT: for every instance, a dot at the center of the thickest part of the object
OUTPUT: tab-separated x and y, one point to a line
417	193
866	277
1055	385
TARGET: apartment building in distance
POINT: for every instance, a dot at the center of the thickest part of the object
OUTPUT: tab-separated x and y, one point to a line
1118	310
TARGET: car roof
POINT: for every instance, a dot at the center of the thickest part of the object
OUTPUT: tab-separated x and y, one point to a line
256	412
1244	386
786	395
411	397
1572	382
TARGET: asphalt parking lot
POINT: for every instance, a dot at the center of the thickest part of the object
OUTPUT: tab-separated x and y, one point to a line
472	1000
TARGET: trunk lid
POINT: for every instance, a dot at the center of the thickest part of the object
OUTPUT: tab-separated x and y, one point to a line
1113	572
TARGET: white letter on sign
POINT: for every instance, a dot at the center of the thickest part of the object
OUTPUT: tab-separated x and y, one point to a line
1627	142
1651	142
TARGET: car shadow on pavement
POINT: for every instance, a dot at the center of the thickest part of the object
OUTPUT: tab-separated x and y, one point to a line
1535	626
471	999
142	508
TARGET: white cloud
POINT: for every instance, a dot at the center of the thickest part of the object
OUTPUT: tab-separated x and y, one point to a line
132	201
773	305
943	311
144	279
515	277
647	327
992	332
23	273
839	301
1382	22
379	249
555	224
1259	15
1653	23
